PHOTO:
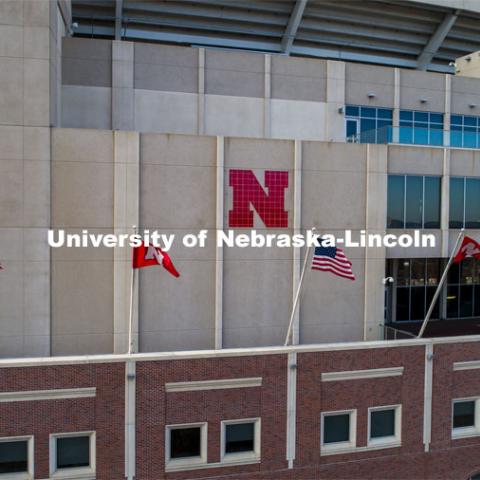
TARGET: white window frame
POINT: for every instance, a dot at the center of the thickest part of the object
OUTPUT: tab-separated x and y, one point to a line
466	432
391	440
185	463
339	447
80	472
29	474
240	457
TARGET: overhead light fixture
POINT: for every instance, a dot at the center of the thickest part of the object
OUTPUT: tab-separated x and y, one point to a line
472	105
341	110
423	100
371	95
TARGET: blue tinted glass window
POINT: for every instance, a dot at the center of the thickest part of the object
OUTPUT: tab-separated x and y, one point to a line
368	112
431	209
406	115
456	120
472	203
420	116
436	118
385	113
414	202
456	202
350	110
395	201
471	121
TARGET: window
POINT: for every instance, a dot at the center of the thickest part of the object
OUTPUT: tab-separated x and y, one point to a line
186	445
374	125
338	431
464	202
413	202
416	280
463	289
465	418
464	131
16	457
240	440
421	128
72	454
384	425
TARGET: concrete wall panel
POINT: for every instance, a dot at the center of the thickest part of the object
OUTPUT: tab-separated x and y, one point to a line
416	86
465	96
153	112
415	160
86	107
364	79
296	119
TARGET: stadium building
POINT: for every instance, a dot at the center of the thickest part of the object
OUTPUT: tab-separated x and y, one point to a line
273	116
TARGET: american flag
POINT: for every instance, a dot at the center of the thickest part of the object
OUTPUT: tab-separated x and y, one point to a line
332	259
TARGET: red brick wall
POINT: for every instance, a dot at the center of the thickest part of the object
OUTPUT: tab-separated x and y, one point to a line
156	409
447	459
104	413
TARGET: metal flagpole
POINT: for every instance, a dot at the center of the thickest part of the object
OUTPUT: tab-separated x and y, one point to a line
133	278
440	284
297	295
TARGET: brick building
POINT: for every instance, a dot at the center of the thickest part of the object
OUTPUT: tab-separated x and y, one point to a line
180	415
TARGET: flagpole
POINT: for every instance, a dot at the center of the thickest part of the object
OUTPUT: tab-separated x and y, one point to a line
133	278
440	284
297	295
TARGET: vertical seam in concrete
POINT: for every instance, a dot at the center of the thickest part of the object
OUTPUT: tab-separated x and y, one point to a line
445	197
427	401
365	279
291	407
219	249
446	117
267	96
130	392
297	225
396	105
201	92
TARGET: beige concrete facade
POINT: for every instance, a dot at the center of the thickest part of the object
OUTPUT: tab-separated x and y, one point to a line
146	135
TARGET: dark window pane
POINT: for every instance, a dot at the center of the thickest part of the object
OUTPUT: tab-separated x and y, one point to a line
414	202
420	116
185	442
433	271
432	203
382	423
436	308
368	112
239	437
395	201
436	118
467	270
472	203
352	111
336	428
456	119
13	457
73	452
385	113
418	303
352	128
456	202
466	301
403	304
403	274
418	272
476	293
452	301
406	115
471	121
464	414
368	131
454	273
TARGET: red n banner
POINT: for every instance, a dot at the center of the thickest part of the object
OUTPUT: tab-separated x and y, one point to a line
248	191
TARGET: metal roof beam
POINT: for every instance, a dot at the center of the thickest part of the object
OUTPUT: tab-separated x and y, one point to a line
292	26
436	40
118	19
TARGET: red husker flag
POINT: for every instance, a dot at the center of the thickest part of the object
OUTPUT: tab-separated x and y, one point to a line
147	256
468	248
